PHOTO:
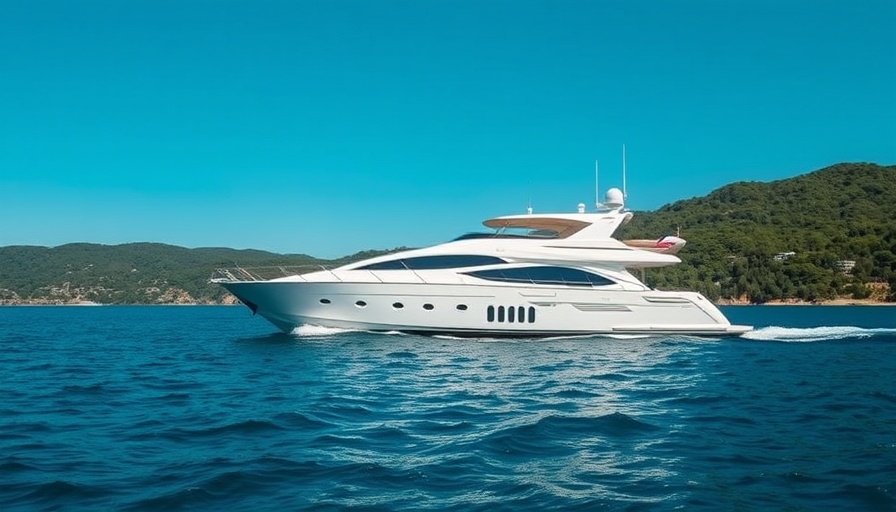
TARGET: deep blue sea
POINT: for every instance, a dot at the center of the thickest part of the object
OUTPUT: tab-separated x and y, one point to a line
209	408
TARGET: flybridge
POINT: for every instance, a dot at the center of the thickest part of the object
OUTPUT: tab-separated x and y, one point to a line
592	226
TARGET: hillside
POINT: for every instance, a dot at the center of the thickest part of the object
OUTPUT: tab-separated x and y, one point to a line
813	222
138	273
842	213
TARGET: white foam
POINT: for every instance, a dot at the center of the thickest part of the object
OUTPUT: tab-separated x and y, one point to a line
317	330
629	336
446	337
772	333
825	333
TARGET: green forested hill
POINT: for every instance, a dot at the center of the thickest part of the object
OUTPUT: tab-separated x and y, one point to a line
843	212
139	273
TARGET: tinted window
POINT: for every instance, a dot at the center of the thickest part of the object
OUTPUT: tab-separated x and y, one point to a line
384	265
490	314
435	262
543	275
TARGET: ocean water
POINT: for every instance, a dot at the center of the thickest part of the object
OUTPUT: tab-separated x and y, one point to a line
208	408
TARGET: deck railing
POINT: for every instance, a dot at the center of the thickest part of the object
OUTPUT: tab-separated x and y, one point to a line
231	274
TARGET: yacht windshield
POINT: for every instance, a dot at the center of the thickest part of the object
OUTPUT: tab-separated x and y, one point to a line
513	232
435	262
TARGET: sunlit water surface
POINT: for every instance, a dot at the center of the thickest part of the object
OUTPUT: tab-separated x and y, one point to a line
207	408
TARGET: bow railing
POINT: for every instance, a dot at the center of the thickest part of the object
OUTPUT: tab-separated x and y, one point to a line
237	273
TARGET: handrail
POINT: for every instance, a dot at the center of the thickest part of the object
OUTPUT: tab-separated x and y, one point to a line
238	273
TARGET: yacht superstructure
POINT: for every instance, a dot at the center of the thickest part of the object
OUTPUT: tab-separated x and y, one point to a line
537	275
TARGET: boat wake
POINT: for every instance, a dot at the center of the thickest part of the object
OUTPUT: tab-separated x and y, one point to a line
771	333
309	330
826	333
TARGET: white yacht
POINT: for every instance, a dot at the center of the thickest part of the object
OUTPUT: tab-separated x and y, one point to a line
536	275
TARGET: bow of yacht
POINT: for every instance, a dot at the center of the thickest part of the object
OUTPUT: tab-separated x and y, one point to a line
534	276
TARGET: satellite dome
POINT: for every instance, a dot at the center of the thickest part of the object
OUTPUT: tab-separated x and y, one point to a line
614	198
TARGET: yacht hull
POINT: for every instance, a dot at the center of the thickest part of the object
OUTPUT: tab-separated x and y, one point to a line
467	310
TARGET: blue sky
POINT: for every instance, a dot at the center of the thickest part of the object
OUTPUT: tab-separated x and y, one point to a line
328	127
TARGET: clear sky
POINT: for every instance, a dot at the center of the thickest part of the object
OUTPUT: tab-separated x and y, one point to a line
328	127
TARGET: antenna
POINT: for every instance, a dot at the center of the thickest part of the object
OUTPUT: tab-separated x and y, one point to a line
596	188
624	194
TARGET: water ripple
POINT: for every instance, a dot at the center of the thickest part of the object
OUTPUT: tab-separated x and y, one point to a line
198	409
